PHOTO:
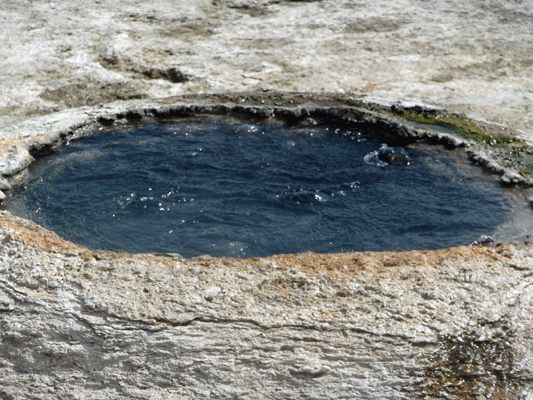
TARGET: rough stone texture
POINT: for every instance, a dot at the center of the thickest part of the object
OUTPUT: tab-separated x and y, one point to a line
454	323
472	57
366	325
15	159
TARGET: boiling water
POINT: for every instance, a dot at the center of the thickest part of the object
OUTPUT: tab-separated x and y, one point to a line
232	189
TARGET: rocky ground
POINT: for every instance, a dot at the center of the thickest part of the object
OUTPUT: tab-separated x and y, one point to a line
454	323
85	325
473	57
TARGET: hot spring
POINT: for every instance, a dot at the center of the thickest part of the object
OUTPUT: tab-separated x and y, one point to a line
228	188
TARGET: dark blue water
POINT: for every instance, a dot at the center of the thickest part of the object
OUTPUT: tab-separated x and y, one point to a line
228	189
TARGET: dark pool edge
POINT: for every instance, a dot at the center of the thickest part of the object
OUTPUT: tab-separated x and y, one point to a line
50	132
39	136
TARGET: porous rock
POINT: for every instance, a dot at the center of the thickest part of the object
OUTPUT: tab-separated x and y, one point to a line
74	322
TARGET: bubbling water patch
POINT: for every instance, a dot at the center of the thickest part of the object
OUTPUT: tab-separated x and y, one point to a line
231	189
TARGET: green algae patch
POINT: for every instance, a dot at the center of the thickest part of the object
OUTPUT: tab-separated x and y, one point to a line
515	155
460	125
527	169
509	152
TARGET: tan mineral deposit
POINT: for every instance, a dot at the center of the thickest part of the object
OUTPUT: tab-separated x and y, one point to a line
453	323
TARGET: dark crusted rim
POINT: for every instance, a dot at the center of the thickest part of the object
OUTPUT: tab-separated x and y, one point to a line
394	124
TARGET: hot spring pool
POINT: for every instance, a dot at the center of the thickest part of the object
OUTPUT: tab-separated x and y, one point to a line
231	189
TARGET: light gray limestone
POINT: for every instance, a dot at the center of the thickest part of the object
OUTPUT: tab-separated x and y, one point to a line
455	323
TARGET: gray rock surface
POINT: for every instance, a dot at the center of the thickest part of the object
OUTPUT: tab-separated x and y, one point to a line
80	324
472	57
15	159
